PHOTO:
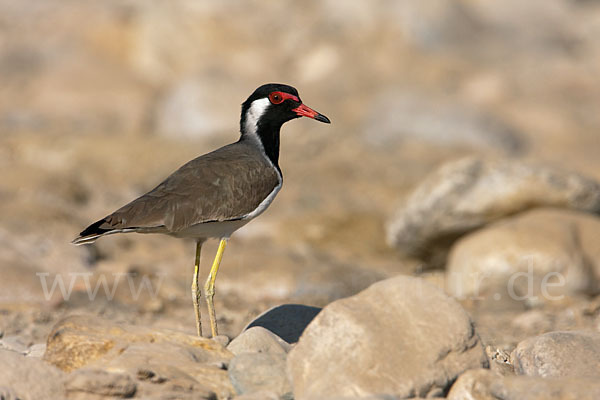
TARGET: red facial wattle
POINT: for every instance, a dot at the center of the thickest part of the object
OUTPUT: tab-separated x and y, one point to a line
302	110
280	97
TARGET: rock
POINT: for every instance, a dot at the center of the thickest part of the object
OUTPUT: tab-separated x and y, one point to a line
441	25
499	361
37	350
464	28
14	343
252	372
223	340
537	256
398	115
467	194
474	384
482	384
181	363
100	382
188	110
8	394
177	368
28	378
297	282
76	341
261	395
19	280
372	397
573	354
287	321
400	337
533	322
258	340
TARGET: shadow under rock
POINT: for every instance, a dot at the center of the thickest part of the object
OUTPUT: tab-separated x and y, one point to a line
287	321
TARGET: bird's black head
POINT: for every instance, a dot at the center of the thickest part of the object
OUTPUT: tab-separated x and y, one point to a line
269	107
272	105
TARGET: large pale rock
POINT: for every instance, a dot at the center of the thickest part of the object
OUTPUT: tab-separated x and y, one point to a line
469	193
574	354
28	378
483	384
400	337
183	364
536	256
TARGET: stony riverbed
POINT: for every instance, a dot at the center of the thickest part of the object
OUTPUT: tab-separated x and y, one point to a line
441	238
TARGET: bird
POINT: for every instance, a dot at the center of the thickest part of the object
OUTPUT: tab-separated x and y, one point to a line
215	194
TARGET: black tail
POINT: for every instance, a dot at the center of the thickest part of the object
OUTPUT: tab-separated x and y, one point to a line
93	232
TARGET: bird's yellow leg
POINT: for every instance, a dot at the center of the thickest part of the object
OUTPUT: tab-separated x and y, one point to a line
209	286
196	289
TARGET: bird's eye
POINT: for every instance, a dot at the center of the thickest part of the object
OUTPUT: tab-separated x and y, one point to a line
276	98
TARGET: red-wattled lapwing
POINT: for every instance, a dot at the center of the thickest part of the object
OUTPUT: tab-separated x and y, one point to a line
215	194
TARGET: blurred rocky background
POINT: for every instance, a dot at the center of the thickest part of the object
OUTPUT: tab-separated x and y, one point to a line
463	150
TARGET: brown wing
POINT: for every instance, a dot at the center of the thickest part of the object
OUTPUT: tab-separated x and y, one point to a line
226	184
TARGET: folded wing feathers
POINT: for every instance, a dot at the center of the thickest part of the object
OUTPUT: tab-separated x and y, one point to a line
218	186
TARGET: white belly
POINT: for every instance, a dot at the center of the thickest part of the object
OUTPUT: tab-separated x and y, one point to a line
208	230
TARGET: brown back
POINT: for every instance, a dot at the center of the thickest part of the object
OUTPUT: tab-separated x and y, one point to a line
226	184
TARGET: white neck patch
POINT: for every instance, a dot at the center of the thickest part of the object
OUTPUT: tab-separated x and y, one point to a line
255	111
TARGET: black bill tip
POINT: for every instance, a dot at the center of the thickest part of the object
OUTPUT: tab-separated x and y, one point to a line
322	118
